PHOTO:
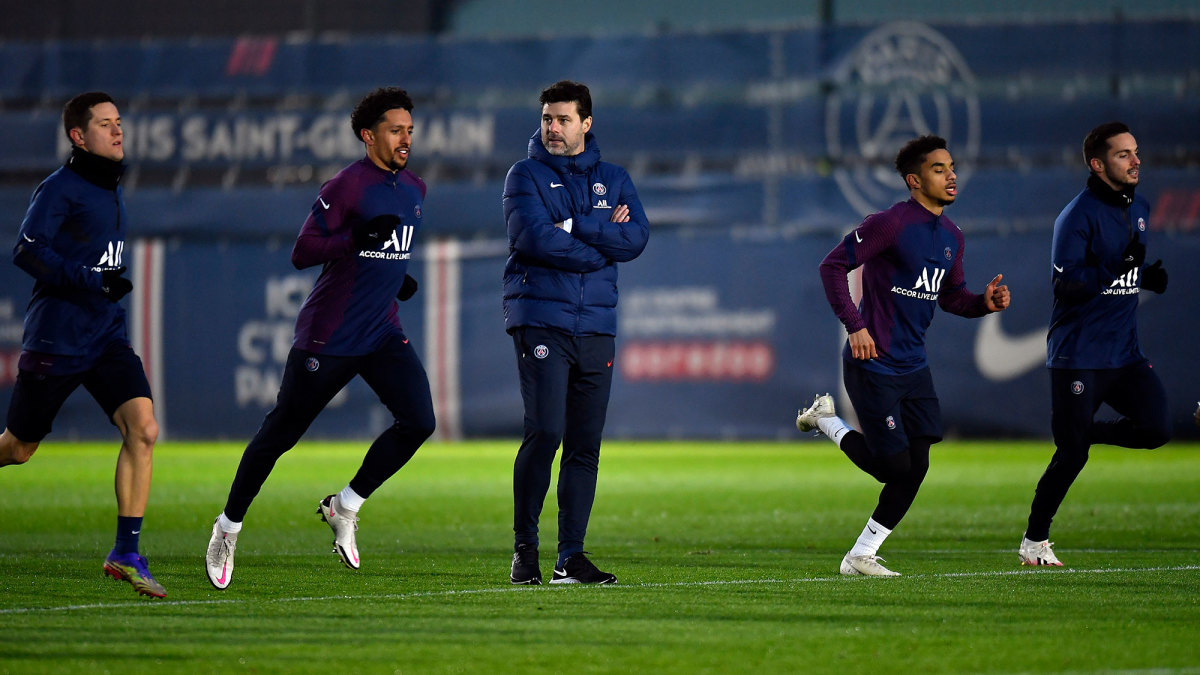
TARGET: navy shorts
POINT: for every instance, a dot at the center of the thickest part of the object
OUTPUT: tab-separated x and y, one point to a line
115	377
893	409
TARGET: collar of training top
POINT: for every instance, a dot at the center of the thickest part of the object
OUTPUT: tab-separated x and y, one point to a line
95	169
1118	198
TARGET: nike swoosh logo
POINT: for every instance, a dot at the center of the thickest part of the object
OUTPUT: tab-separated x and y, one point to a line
1056	267
137	532
554	185
872	530
1000	357
27	238
323	204
856	237
224	569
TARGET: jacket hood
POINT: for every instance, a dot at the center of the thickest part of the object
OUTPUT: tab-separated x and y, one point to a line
580	163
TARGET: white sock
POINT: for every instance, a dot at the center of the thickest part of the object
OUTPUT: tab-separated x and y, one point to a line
350	500
871	539
834	427
227	525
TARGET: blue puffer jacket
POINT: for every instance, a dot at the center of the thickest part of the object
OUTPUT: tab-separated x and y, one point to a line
555	279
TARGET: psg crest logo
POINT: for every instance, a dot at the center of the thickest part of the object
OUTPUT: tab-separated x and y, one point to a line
948	253
541	351
1141	224
900	78
891	422
599	189
1076	387
311	364
417	210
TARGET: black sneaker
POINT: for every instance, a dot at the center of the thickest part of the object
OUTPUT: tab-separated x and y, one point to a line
525	570
577	569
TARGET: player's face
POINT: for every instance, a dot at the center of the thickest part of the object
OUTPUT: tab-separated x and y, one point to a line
562	130
389	142
103	135
1121	165
936	184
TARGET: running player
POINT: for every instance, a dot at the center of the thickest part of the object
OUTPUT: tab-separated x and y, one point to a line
361	229
1093	353
72	242
911	256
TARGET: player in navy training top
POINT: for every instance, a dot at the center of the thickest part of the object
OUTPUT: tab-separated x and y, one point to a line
911	258
1093	354
72	242
362	230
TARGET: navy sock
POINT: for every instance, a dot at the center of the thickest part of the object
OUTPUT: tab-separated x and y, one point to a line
567	553
128	529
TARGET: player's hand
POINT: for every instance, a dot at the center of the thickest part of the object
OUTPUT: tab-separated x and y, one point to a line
372	233
620	214
1133	255
997	296
407	289
862	346
114	286
1154	278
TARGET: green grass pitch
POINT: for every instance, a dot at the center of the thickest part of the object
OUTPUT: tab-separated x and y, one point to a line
727	555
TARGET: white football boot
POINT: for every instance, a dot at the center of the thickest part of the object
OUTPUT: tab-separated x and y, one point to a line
219	559
344	524
822	406
865	565
1037	554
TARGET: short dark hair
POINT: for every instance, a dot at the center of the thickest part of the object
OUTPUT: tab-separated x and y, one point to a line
567	90
1095	144
78	111
913	154
371	110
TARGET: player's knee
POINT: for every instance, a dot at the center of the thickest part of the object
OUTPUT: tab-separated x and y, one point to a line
916	474
425	426
894	468
1069	460
1156	438
142	434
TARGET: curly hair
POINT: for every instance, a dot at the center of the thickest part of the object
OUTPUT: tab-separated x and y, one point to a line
372	108
913	154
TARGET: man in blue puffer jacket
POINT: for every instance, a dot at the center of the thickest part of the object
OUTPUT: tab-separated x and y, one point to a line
571	218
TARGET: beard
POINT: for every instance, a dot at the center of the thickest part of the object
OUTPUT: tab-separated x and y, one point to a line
1121	180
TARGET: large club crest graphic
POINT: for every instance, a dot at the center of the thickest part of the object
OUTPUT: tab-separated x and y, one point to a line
901	81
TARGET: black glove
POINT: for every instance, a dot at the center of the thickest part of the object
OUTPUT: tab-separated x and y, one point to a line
1154	278
114	287
374	232
407	289
1133	255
